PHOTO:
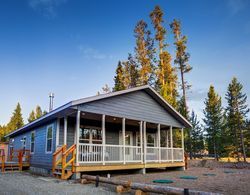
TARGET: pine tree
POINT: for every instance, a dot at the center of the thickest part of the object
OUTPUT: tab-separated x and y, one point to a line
144	52
181	59
237	110
16	120
119	78
39	112
32	116
196	136
166	75
213	121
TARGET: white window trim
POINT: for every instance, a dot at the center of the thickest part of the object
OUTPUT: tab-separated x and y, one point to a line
31	141
49	152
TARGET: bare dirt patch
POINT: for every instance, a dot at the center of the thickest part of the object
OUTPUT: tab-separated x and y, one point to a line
23	183
236	182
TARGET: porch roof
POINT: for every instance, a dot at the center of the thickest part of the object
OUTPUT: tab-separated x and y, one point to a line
70	106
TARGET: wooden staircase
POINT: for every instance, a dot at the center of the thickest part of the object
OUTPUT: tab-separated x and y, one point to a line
64	162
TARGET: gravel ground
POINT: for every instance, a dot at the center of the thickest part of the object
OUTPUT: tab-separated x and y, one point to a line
237	183
24	183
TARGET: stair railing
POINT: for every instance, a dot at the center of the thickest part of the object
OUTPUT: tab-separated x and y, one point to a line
2	158
71	161
57	157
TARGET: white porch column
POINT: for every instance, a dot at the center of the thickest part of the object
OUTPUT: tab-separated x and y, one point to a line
123	140
141	141
159	141
57	132
182	142
103	139
145	141
171	143
167	139
78	119
65	130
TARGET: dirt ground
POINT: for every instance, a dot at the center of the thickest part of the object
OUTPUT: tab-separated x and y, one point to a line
24	183
237	182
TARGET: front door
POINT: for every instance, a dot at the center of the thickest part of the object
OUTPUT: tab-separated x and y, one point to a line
128	142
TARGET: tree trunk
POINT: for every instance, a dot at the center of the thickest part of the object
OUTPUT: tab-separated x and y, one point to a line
145	187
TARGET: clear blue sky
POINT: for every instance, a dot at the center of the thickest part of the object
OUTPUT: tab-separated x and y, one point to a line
71	47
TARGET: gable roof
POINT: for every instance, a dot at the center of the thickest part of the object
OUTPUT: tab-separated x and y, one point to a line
70	105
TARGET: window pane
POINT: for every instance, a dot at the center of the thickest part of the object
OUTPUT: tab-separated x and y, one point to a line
96	134
49	144
32	147
151	140
49	133
32	137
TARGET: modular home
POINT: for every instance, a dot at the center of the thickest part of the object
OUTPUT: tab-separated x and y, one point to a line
129	129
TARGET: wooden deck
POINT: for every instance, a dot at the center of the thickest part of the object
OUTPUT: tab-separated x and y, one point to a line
110	167
17	160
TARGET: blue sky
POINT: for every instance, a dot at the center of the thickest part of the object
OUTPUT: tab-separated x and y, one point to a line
71	47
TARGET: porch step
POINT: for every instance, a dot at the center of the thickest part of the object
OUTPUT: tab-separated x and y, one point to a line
57	173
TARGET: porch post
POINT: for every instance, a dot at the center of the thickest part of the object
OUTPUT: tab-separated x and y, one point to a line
145	142
103	139
141	141
77	135
65	130
57	132
123	140
182	142
167	139
171	143
159	141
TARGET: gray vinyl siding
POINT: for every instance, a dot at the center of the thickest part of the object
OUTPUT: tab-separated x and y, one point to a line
40	158
136	105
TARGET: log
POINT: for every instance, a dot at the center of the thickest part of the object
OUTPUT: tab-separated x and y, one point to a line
147	187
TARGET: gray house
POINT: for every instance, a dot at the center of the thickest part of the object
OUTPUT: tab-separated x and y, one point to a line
113	131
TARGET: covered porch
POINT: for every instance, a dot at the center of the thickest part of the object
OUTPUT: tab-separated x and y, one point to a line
112	142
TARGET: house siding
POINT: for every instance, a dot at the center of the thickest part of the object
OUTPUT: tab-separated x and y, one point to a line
39	158
136	105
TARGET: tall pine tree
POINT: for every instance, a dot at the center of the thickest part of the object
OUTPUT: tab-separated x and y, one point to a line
181	59
237	110
213	121
144	52
16	120
196	136
119	85
166	81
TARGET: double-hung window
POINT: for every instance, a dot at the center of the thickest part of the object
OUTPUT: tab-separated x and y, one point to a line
49	139
32	142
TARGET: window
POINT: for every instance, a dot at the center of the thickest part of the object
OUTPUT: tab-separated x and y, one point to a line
150	140
32	142
23	140
138	143
90	135
49	138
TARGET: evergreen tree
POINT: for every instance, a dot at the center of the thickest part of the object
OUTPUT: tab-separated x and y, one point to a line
237	110
213	121
16	120
32	116
166	82
39	112
119	78
182	58
144	52
196	136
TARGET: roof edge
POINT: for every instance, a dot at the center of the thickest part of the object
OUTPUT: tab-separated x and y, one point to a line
41	118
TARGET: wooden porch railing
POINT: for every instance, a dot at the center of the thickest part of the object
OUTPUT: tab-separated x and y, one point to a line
57	157
20	156
71	161
64	157
2	158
